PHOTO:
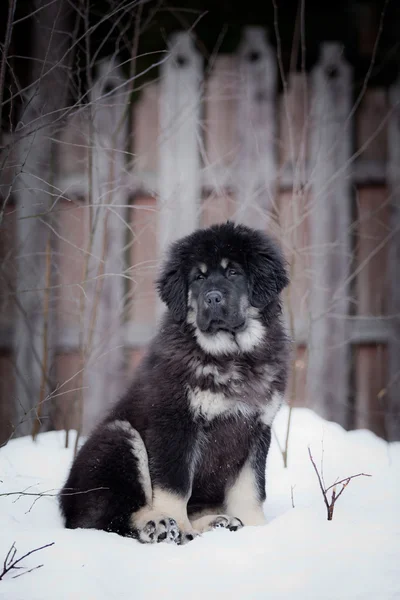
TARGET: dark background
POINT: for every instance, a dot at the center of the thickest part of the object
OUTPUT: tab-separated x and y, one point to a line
217	26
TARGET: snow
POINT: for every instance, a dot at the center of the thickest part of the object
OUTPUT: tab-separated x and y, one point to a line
299	554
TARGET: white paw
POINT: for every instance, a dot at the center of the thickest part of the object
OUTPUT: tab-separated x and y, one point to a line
187	536
210	522
231	523
156	530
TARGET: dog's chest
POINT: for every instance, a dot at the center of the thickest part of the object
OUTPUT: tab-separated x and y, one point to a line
209	405
226	392
223	445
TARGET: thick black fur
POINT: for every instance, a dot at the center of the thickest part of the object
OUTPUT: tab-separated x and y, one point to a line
191	454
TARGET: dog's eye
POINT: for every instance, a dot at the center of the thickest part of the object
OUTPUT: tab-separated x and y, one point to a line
232	272
199	276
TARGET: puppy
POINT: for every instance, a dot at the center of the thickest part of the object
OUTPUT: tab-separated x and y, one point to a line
185	449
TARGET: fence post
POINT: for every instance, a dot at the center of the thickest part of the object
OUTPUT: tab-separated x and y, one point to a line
220	140
104	287
329	351
256	123
371	264
393	412
179	157
35	192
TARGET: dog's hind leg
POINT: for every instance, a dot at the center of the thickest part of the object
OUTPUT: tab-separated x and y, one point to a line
109	480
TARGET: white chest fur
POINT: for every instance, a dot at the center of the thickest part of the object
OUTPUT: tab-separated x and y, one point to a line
214	404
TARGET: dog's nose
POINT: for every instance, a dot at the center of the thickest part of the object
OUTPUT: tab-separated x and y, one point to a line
213	298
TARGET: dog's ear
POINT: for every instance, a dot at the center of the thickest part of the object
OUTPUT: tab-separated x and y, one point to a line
172	287
268	275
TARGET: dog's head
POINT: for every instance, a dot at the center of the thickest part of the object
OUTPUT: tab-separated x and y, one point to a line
219	278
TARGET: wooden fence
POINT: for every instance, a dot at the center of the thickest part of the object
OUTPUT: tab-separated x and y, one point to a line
316	165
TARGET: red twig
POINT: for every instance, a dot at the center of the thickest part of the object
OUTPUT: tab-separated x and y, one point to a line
334	497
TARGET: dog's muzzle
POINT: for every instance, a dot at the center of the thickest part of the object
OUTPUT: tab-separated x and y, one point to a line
215	312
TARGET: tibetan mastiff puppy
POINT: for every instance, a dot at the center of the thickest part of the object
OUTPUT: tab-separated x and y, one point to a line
184	451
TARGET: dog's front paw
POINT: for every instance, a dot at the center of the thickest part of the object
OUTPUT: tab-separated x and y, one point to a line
187	536
163	529
210	522
231	523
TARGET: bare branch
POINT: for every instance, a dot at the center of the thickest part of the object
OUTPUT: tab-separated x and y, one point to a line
10	564
334	496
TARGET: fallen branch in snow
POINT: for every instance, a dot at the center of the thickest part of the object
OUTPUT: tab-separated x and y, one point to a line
343	482
52	493
10	564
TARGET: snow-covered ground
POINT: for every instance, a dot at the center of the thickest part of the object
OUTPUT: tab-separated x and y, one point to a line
299	554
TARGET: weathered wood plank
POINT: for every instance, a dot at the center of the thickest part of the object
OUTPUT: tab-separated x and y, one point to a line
143	213
34	191
220	138
65	409
104	288
294	123
179	158
329	350
255	175
362	330
370	380
143	263
7	393
146	130
393	413
371	127
371	301
69	224
220	112
371	254
220	178
293	205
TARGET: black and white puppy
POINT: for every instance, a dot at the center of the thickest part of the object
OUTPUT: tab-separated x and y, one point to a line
185	449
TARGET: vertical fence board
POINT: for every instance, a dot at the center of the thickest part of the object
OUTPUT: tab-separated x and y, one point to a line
68	380
393	413
179	157
7	393
8	278
143	268
69	226
34	193
143	214
371	130
256	126
146	129
293	232
371	295
371	254
294	124
220	141
370	379
7	315
329	356
144	220
293	214
104	359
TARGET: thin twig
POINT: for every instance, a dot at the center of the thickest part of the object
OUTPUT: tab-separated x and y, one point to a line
347	479
10	563
335	496
319	480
